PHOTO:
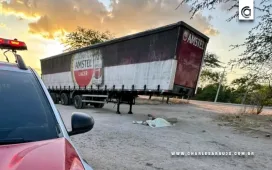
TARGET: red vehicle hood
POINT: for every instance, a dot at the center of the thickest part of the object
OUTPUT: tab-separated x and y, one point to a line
57	154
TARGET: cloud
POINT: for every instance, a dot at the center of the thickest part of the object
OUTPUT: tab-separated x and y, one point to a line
2	25
125	16
210	17
211	31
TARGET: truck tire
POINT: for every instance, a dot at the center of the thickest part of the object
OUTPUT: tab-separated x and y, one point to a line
64	99
78	102
54	97
98	105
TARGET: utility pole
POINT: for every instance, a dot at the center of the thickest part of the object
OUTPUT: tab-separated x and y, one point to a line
219	87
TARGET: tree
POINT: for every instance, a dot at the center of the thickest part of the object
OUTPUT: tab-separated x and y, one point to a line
248	81
83	37
210	76
208	93
260	98
250	91
210	62
243	86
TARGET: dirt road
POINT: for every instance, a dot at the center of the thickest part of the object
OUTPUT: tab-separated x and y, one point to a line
116	144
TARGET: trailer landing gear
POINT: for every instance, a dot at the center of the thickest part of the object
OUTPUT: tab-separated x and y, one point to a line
118	107
130	107
126	100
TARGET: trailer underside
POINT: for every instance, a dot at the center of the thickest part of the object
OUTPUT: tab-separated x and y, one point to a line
80	97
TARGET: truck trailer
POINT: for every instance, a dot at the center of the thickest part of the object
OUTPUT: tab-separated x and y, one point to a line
161	61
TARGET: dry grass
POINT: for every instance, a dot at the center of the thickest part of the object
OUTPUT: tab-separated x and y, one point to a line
255	124
158	100
140	101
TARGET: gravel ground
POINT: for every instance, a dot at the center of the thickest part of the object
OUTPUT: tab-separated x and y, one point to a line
116	144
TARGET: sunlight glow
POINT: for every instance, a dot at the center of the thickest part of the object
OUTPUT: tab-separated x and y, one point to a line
52	49
20	2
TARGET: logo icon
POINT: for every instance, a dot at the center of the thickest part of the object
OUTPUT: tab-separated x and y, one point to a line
186	35
87	68
246	10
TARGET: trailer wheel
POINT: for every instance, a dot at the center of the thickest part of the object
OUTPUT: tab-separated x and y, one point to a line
78	102
98	105
54	97
64	99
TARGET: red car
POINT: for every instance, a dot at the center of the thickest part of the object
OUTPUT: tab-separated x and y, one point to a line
32	133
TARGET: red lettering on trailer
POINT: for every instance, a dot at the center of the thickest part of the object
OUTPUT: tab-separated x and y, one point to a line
192	39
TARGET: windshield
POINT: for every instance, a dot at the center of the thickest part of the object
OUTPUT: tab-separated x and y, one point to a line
25	113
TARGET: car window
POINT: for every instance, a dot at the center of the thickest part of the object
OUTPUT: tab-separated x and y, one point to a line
25	112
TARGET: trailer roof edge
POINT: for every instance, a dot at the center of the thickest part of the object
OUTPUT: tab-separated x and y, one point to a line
132	36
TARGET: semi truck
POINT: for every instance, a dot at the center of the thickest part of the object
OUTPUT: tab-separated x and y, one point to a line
163	61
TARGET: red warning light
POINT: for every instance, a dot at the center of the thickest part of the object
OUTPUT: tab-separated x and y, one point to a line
12	44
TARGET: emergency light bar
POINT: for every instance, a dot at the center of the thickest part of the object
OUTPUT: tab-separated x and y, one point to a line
12	44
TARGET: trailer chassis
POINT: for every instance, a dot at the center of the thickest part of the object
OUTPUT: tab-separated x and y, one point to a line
98	96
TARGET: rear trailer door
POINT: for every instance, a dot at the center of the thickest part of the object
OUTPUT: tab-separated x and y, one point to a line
190	52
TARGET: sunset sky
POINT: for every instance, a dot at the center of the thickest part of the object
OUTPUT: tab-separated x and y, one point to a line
40	23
